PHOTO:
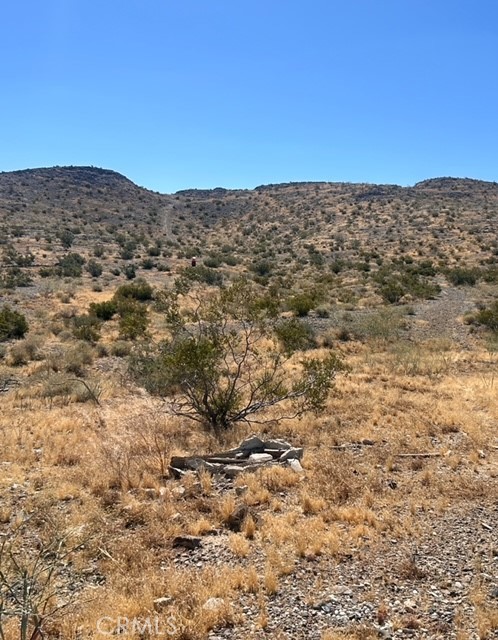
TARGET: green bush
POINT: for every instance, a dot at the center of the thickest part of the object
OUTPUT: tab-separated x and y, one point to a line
217	368
461	276
13	325
261	267
70	265
133	321
489	317
103	310
15	277
130	271
301	304
139	290
295	335
213	262
203	274
94	268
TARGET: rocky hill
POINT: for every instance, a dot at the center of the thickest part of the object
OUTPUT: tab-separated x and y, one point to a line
299	231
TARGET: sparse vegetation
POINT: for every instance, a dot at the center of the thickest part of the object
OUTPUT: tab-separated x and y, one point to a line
401	458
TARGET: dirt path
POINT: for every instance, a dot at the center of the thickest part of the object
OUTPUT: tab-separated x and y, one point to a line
442	317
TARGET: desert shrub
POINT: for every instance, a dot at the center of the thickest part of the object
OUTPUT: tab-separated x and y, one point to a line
94	268
460	276
203	274
66	237
15	277
230	260
489	317
397	281
322	312
130	271
261	267
148	264
25	351
139	290
13	325
77	358
490	275
384	324
86	327
120	349
128	251
295	335
103	310
70	265
218	376
47	272
213	262
134	320
301	304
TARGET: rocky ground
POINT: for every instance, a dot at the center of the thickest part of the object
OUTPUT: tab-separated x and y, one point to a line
442	317
428	584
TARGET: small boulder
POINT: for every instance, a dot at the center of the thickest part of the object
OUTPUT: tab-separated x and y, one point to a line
295	465
213	604
161	603
260	457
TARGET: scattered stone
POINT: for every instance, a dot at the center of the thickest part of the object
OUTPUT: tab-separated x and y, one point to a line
240	491
295	465
161	603
213	604
236	519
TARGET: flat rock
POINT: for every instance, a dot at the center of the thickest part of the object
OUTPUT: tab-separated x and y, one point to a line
260	457
293	453
161	603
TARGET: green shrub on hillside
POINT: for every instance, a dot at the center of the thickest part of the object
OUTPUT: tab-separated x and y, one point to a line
13	325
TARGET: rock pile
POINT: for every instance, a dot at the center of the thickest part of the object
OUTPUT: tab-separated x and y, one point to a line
251	454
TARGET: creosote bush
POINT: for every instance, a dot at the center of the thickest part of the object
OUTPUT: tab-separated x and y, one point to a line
225	362
13	325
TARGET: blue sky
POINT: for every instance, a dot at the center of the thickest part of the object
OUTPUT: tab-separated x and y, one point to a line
205	93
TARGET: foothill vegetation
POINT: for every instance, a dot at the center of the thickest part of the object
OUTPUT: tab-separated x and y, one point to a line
357	322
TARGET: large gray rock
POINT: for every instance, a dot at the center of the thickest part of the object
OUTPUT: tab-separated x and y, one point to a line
294	453
277	444
253	443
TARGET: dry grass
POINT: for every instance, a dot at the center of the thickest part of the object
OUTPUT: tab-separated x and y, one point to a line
104	468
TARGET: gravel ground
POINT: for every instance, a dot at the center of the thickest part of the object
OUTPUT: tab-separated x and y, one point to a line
442	317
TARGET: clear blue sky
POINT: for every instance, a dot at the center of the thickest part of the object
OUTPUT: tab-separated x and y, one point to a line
236	93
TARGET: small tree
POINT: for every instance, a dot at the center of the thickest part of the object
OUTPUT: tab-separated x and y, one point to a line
225	363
